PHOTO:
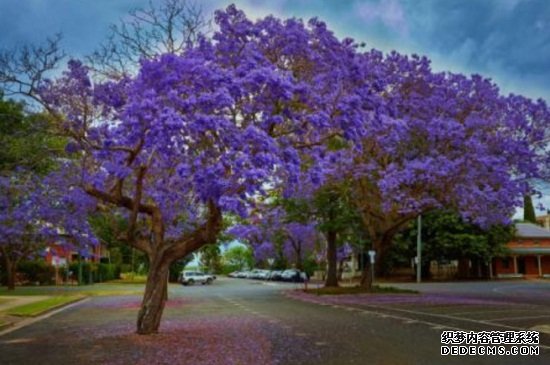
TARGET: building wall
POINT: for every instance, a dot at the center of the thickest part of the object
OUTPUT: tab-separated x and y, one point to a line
56	250
500	266
531	243
545	263
531	263
531	266
544	221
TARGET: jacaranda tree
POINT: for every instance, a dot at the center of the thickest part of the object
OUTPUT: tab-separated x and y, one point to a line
36	211
437	140
271	233
195	134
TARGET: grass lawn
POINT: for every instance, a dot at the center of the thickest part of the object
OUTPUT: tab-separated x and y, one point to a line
37	308
4	300
129	278
102	289
359	290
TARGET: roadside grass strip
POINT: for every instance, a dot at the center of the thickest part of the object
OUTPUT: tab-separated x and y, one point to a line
129	278
21	291
42	306
103	289
103	293
4	323
341	290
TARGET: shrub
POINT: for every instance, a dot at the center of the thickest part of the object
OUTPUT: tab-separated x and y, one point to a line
32	272
106	272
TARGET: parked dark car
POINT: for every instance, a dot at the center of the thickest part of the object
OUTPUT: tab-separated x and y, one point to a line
276	275
294	276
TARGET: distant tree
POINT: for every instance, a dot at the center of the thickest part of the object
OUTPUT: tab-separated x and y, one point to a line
238	257
28	154
529	209
33	213
338	220
27	140
446	236
178	266
210	258
436	141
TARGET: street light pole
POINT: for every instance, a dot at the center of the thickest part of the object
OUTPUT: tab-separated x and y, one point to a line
419	250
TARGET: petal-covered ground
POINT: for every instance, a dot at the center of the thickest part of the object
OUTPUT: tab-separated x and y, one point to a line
193	331
192	341
390	299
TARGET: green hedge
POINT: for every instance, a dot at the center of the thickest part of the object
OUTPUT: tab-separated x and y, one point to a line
107	272
40	273
33	272
94	273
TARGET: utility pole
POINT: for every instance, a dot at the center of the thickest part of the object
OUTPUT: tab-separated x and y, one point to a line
419	250
79	268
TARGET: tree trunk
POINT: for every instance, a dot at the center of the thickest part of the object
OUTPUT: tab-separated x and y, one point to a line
11	277
340	269
299	261
463	271
332	274
11	269
380	246
366	277
155	296
529	214
381	265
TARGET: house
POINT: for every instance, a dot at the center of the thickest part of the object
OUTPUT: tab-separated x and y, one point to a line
529	254
61	255
544	221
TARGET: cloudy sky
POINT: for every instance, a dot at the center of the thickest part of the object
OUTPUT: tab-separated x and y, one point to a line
507	40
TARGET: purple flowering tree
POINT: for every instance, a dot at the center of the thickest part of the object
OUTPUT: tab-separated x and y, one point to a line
433	140
299	242
271	238
259	232
20	235
34	212
197	134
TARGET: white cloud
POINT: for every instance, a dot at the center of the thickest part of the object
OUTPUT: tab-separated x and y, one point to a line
388	12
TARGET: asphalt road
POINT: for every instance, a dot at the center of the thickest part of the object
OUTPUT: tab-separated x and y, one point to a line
268	323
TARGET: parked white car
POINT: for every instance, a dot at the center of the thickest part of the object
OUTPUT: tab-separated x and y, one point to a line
192	277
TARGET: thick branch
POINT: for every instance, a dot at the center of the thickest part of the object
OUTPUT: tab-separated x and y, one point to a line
205	234
120	201
136	201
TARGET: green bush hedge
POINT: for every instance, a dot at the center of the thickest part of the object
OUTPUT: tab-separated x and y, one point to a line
36	272
40	273
94	273
108	272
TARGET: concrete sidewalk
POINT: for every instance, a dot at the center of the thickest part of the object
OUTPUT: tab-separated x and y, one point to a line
7	321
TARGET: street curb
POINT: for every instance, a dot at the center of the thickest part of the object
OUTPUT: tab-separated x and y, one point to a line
27	322
5	325
48	310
